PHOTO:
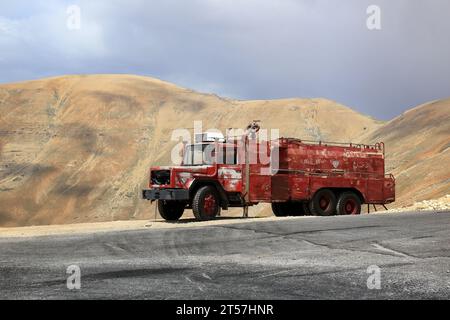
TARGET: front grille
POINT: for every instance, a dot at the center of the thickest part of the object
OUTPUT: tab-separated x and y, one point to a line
160	177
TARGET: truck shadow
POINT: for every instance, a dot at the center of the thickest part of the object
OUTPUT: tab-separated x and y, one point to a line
191	220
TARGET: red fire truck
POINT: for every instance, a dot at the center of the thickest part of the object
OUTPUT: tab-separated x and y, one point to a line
297	177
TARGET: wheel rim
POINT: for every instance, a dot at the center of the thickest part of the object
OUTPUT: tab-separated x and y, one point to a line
350	206
324	202
209	204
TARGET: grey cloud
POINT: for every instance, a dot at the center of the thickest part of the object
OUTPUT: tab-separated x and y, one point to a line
254	49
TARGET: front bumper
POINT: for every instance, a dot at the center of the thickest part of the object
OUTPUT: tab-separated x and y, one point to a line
165	194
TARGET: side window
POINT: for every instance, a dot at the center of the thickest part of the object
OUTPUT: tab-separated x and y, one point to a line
232	156
227	155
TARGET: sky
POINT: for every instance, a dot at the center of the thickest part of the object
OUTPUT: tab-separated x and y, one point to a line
378	60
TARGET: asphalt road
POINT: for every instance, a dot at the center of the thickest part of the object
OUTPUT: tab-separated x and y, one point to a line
290	258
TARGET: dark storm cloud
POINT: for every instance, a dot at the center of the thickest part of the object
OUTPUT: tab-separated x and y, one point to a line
253	49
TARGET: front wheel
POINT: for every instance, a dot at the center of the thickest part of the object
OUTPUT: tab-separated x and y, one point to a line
171	210
205	204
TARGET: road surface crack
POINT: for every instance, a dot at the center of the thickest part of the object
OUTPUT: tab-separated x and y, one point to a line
392	251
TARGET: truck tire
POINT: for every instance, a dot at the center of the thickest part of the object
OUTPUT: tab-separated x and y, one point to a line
171	210
348	203
279	209
205	204
323	203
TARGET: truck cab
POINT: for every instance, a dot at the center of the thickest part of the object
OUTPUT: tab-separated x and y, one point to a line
205	181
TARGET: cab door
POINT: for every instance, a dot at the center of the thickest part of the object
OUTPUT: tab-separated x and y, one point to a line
229	172
230	177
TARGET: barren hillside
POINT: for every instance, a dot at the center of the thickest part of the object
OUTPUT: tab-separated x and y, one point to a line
77	148
418	151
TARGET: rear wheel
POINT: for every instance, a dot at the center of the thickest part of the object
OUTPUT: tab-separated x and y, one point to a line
348	203
323	203
171	210
205	204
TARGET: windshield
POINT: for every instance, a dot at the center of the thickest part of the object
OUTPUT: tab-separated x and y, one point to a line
204	154
198	154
